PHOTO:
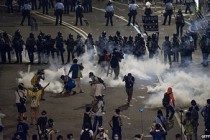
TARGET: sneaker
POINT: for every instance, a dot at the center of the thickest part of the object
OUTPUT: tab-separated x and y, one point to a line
81	91
74	92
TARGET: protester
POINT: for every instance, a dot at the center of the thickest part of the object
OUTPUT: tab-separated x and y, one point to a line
42	125
20	95
178	137
22	128
51	131
69	84
116	123
194	110
169	103
205	112
86	133
98	113
160	119
158	132
76	70
87	118
35	95
70	136
188	125
101	134
129	82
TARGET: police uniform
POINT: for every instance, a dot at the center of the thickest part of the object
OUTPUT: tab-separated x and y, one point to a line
133	12
60	46
79	13
109	13
26	12
59	7
30	46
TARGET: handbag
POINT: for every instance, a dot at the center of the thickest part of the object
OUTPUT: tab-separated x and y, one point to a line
22	99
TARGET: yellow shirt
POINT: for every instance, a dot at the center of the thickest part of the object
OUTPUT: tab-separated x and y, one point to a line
36	95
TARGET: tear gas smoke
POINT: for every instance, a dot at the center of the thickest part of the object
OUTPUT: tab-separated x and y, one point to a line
186	86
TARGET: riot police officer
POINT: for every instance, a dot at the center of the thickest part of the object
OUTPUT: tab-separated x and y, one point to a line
79	13
60	46
70	43
7	46
18	46
30	46
89	42
80	46
133	12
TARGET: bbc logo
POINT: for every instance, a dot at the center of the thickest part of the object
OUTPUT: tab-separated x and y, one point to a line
205	136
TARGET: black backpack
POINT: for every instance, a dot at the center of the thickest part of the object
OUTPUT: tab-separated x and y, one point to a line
86	135
166	100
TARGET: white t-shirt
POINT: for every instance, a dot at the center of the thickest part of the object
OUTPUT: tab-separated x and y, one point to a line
98	88
21	93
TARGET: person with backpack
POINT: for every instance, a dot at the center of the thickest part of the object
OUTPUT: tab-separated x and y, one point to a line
194	109
101	134
20	95
129	82
160	119
205	112
22	128
35	95
86	133
79	13
95	79
169	103
116	123
188	125
98	113
87	118
69	84
42	125
179	23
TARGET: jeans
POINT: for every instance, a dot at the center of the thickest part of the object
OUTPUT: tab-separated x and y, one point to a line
168	110
98	119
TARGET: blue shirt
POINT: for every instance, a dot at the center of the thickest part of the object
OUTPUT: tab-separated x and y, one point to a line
75	70
22	130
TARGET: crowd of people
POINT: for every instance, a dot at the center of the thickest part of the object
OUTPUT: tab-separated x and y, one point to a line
111	50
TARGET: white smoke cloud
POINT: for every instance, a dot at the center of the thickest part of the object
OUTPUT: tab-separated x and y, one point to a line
186	85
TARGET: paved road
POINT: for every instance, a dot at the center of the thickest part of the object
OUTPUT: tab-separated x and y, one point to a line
67	111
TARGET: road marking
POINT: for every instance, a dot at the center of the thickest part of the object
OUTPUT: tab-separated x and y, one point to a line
180	125
122	18
76	29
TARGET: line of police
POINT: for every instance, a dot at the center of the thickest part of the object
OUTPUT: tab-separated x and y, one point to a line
44	46
69	5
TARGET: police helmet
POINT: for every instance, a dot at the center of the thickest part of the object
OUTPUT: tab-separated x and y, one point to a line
118	33
90	35
104	33
193	102
31	35
91	74
78	36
